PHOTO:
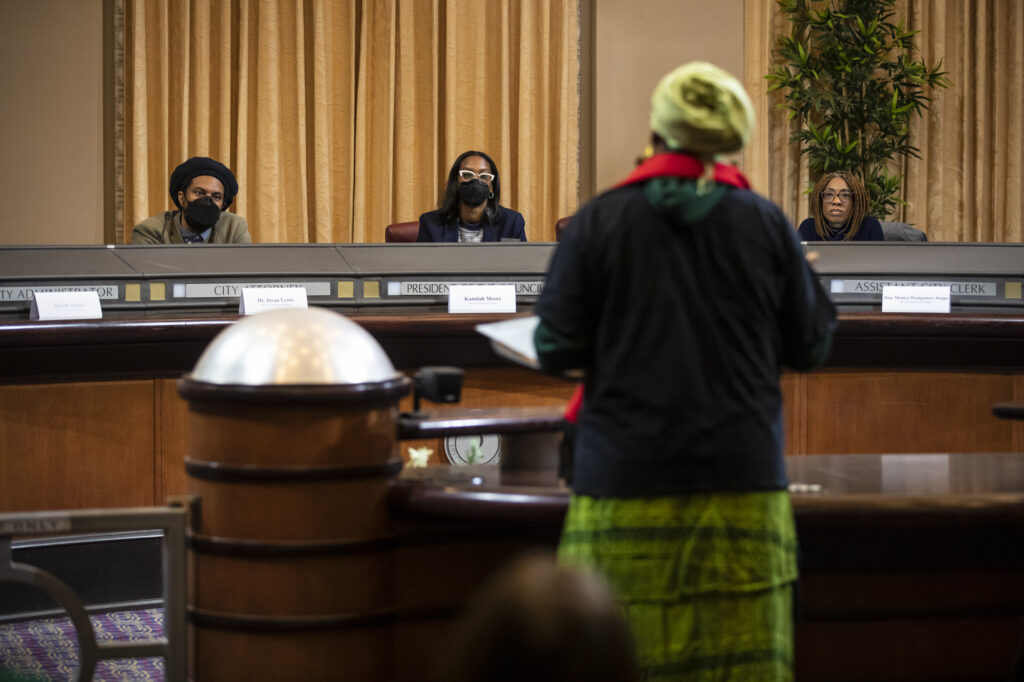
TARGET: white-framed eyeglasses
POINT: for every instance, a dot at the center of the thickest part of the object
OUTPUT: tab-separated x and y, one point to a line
844	195
466	175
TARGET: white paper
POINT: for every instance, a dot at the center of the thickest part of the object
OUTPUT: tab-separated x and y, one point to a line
482	298
513	339
259	300
915	299
65	305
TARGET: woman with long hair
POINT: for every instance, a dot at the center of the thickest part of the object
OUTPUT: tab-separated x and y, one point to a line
469	209
839	212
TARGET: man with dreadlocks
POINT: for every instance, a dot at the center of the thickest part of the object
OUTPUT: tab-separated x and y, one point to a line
839	212
681	293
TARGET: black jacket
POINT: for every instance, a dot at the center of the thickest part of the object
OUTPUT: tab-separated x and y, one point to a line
509	225
682	330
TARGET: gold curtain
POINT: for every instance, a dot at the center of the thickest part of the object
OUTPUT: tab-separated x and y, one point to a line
967	185
339	118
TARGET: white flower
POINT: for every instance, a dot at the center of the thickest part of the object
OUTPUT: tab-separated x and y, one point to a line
418	456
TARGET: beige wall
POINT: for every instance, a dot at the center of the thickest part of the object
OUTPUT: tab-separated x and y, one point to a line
636	43
51	122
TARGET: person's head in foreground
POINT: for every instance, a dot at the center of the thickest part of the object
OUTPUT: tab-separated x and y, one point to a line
537	620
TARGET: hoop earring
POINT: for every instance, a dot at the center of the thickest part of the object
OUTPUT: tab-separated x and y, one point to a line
491	195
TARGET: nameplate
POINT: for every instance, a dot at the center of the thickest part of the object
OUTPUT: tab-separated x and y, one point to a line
261	300
65	305
482	298
901	299
440	287
234	289
875	286
105	292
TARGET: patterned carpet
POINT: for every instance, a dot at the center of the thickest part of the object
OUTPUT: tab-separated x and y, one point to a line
47	649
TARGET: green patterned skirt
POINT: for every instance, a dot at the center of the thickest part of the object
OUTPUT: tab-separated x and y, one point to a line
705	580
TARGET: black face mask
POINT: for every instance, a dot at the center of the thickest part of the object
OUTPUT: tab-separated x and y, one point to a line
202	213
473	193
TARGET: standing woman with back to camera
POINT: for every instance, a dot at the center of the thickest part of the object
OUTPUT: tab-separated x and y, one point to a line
681	294
469	209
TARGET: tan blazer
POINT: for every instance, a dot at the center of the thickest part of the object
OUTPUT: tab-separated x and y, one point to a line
165	228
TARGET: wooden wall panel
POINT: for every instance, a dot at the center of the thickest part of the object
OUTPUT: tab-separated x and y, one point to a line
889	412
794	405
122	443
171	440
492	387
512	387
972	649
76	446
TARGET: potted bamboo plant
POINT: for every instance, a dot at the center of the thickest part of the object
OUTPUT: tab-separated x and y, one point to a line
848	72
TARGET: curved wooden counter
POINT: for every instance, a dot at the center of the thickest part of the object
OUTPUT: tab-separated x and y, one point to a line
90	416
150	344
912	566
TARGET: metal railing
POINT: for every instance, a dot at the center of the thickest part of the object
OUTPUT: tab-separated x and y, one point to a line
171	520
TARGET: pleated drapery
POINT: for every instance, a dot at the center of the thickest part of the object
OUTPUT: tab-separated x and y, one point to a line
339	118
967	185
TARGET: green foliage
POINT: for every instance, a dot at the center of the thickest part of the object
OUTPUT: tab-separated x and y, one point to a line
848	74
474	455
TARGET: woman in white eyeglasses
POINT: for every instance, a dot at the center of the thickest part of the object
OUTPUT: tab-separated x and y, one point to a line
839	212
469	208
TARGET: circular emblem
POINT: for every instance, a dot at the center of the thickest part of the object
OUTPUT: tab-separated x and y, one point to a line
485	449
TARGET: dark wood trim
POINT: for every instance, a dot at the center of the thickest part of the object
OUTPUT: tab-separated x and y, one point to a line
458	422
432	501
1009	410
218	471
153	344
253	623
958	341
365	394
205	544
204	618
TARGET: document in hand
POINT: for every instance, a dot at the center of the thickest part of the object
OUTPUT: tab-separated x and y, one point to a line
513	339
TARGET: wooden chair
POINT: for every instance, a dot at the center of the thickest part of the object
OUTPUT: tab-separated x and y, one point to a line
402	232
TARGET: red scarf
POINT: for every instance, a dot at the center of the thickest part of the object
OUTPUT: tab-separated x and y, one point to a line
682	165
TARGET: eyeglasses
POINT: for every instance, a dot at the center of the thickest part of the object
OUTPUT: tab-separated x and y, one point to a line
844	195
467	175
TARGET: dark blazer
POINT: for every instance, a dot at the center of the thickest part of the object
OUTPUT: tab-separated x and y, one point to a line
870	231
510	225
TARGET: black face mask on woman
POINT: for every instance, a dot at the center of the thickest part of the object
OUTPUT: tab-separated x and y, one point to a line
473	193
202	213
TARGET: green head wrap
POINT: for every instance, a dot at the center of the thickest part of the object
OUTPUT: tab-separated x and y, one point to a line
702	109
